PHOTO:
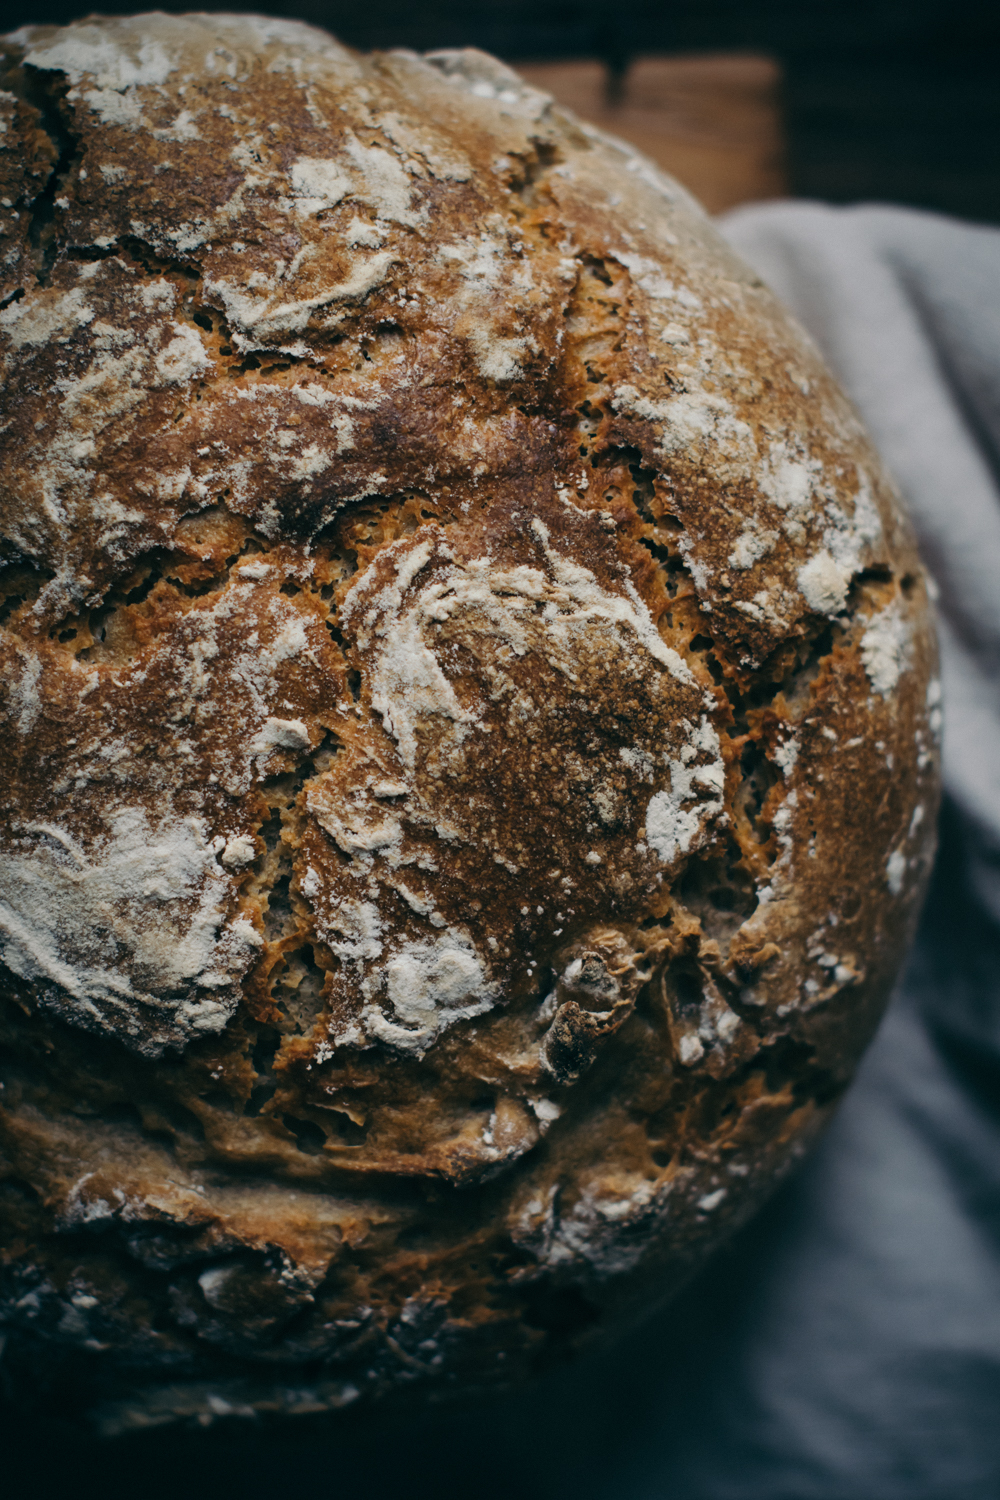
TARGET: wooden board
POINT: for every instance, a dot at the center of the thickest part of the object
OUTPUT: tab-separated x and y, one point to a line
712	120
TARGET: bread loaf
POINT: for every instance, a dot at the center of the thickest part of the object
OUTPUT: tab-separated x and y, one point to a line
467	717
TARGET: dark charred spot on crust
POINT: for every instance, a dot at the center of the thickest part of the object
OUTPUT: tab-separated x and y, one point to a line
718	887
21	582
52	148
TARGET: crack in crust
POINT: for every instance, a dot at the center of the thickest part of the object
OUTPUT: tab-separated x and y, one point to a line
466	686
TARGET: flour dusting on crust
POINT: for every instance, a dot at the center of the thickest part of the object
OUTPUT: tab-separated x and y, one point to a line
112	931
469	757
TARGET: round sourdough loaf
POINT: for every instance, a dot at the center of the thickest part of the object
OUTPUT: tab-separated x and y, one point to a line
468	726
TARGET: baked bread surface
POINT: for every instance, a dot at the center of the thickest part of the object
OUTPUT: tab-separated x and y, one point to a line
468	724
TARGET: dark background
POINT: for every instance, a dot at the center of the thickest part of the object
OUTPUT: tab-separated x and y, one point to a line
892	100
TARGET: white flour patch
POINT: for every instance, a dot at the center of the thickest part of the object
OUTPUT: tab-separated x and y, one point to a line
318	183
182	128
115	929
648	275
712	1200
353	930
91	52
638	760
603	1231
786	753
789	479
493	283
825	579
885	649
498	358
23	697
429	986
263	311
694	421
753	543
409	684
823	583
676	819
42	318
387	186
183	358
239	851
280	734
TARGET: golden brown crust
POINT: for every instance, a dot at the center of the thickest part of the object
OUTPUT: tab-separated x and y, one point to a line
468	704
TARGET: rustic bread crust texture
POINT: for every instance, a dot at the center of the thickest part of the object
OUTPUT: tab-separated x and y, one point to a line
469	725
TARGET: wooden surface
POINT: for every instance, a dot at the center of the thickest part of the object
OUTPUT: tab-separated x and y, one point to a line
712	120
